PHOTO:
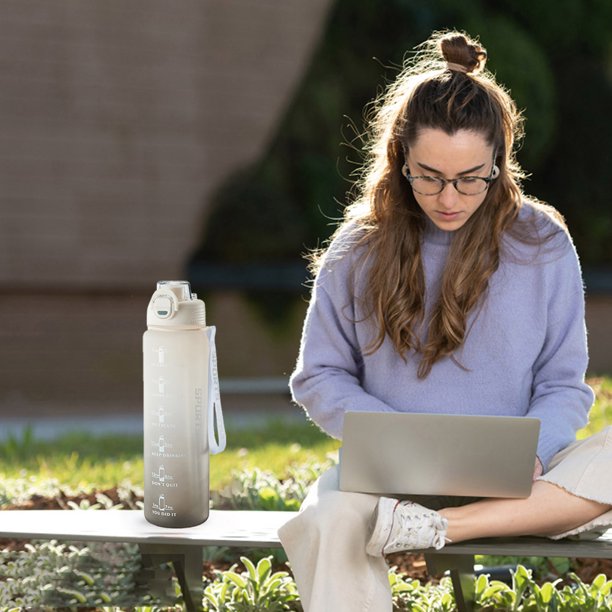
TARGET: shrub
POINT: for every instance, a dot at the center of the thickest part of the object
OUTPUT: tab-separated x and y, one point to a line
58	575
261	490
258	588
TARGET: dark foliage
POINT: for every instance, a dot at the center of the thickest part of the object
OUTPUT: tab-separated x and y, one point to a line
552	54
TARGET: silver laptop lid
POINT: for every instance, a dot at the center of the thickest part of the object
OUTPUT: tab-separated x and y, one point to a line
438	454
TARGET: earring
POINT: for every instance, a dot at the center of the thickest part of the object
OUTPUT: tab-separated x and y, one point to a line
495	172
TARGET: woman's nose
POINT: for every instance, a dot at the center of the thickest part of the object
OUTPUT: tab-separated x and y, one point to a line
448	196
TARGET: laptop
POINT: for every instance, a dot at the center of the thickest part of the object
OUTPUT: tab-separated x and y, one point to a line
393	453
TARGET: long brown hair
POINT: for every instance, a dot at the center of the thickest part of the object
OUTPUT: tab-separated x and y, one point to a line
445	87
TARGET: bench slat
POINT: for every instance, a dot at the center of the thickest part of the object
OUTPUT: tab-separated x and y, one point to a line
526	546
246	528
223	528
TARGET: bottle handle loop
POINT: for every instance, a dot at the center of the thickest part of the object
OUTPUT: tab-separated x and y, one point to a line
215	412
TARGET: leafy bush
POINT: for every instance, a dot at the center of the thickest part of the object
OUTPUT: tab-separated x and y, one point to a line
526	595
47	493
261	490
258	588
559	77
412	595
52	574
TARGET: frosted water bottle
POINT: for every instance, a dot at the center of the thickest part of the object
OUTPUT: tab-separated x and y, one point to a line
181	405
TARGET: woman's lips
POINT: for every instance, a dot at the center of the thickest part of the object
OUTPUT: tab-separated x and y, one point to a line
448	216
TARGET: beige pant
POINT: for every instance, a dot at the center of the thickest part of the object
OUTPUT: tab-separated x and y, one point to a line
326	542
326	545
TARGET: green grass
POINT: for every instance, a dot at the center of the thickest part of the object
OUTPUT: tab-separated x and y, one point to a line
275	448
80	461
601	413
76	460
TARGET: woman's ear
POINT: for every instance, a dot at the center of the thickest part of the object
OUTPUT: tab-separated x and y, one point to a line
495	172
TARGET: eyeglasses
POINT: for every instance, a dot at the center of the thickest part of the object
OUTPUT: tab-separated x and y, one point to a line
465	185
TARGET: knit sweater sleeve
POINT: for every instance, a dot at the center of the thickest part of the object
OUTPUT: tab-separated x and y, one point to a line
326	381
560	397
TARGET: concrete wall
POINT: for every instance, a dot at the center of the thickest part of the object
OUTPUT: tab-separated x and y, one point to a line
119	118
78	354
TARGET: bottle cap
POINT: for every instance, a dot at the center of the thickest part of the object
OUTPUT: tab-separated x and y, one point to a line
174	306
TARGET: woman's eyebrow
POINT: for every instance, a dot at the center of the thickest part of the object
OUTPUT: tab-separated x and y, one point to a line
468	171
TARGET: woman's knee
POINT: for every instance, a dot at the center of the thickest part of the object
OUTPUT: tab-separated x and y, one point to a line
326	509
337	511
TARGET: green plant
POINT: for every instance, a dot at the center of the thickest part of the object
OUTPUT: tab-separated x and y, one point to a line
45	492
578	596
412	595
544	568
258	588
262	490
525	595
57	575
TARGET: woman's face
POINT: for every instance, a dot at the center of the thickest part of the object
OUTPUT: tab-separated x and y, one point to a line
440	155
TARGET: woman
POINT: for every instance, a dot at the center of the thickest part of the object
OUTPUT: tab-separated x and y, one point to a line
444	289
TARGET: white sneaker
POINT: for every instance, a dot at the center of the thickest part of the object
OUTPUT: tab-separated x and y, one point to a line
404	525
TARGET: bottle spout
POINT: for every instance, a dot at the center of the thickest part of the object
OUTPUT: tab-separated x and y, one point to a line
182	289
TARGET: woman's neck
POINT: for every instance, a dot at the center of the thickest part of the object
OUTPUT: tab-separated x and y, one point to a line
432	234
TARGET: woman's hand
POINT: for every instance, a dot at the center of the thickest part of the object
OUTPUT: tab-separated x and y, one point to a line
538	470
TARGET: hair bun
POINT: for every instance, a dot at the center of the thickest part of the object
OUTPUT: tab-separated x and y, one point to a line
461	53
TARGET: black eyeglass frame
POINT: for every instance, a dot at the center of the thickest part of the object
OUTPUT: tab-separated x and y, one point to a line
443	182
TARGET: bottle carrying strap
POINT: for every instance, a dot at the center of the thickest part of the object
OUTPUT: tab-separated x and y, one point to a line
215	412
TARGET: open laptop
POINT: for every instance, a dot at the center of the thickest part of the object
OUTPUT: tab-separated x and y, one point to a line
438	454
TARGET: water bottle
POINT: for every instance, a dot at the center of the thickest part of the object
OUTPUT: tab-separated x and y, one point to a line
181	406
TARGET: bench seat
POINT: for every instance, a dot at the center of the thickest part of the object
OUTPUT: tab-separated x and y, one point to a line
255	529
223	527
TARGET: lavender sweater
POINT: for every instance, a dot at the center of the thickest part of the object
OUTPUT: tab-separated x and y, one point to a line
525	354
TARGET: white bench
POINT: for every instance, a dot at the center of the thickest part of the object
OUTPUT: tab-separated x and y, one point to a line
254	529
